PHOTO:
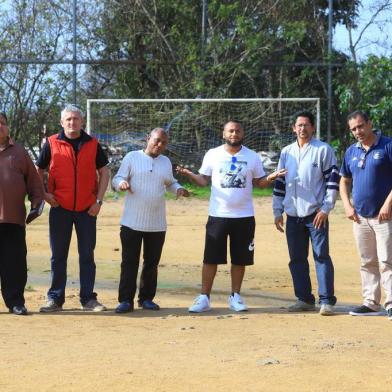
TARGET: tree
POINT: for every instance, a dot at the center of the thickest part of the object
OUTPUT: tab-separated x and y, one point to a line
357	40
31	93
374	89
246	51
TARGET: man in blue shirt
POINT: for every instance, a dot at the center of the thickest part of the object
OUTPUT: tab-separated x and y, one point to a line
367	171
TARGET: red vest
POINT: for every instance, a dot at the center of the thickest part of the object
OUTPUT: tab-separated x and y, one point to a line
73	178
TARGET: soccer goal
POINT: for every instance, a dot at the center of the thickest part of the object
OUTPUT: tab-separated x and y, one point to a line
195	125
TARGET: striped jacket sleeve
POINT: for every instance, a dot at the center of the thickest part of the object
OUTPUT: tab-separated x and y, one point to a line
331	177
279	191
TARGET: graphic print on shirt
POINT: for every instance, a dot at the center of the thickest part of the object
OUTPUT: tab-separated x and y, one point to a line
233	174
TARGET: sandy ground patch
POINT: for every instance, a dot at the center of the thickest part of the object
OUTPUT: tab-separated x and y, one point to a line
265	349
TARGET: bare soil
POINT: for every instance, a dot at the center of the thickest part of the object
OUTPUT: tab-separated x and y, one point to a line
265	349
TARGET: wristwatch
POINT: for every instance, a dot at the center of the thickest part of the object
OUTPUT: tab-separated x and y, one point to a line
100	202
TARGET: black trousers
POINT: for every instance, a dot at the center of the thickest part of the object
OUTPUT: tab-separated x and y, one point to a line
13	265
131	241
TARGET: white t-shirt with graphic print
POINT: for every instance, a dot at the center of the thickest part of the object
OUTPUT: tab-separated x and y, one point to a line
231	181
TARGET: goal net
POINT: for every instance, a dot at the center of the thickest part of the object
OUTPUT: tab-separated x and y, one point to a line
195	125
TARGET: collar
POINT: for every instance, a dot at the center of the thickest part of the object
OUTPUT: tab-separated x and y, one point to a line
377	133
229	153
149	156
84	137
10	143
311	141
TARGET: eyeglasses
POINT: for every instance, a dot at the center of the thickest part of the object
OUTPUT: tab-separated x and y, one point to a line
233	162
362	161
303	125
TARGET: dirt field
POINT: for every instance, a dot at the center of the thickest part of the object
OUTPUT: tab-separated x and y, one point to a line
265	349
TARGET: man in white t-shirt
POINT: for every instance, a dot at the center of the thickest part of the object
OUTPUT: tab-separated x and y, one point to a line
233	170
146	175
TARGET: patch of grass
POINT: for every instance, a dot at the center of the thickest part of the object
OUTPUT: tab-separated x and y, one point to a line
29	288
197	192
258	192
204	192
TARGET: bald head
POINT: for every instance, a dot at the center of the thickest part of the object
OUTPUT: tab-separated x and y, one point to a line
158	131
156	142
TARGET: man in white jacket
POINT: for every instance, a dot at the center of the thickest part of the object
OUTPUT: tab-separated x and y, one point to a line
146	175
307	194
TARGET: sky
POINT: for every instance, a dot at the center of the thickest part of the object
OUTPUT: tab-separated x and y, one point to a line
380	31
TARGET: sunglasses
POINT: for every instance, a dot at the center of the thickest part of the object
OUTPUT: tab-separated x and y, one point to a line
362	161
233	162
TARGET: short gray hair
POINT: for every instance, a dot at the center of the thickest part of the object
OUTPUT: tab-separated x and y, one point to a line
158	129
71	108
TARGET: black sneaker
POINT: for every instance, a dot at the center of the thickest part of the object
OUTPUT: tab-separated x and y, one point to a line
147	304
50	306
365	311
389	311
19	310
124	307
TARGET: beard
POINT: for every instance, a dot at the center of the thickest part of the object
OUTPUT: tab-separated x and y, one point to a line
234	144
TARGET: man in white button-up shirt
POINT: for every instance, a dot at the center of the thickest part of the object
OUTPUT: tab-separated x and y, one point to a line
146	175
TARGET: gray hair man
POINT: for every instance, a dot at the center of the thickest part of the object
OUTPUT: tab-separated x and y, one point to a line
77	180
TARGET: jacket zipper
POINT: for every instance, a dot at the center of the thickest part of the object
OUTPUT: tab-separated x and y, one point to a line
76	177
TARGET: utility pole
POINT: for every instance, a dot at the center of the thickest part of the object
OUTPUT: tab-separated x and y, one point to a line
74	53
329	110
203	29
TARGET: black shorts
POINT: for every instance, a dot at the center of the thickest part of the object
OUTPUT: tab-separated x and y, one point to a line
241	232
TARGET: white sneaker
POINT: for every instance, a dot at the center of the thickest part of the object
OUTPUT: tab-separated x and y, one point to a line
326	310
93	306
201	304
301	306
237	303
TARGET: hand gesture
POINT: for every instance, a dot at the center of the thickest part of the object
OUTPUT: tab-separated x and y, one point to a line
182	192
279	223
183	171
50	199
351	214
278	173
124	186
385	212
94	209
320	220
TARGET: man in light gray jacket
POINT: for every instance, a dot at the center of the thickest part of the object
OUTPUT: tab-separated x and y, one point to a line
307	194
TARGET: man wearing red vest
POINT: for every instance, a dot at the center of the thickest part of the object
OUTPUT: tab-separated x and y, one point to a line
75	192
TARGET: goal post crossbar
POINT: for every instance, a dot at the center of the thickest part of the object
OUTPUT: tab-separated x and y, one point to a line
201	100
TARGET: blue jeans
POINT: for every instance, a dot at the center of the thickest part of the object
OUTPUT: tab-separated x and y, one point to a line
298	233
61	223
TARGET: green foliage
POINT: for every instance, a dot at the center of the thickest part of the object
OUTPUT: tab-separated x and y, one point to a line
242	36
371	92
164	40
30	94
